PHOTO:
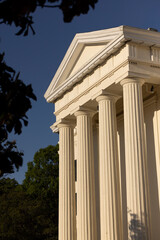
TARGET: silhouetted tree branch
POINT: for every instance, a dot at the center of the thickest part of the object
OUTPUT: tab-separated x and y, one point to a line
20	12
15	101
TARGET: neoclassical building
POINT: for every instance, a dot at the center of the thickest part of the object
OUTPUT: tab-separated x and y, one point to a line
106	93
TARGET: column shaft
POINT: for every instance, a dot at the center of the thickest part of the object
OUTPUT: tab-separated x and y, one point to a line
86	214
110	200
96	174
136	162
67	215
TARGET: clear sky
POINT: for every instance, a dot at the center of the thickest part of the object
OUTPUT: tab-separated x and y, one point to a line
37	57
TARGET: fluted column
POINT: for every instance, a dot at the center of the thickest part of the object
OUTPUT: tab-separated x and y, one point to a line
67	214
86	213
96	173
110	203
136	162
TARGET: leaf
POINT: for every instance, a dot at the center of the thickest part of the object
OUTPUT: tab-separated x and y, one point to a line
20	31
26	32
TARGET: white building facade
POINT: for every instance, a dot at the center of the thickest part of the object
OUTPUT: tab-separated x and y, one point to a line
106	93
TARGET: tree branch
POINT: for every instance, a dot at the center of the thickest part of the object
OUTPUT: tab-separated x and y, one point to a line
49	6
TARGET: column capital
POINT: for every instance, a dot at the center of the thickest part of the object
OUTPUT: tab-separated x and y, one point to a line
84	111
66	123
132	80
107	96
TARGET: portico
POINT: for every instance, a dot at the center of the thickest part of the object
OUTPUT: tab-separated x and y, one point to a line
107	99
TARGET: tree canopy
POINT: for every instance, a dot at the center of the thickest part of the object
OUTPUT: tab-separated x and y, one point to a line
41	178
20	12
30	210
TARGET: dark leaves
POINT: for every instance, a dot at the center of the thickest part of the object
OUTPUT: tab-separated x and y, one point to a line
20	12
73	8
9	157
15	101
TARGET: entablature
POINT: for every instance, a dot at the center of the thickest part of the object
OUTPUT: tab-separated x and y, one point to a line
130	61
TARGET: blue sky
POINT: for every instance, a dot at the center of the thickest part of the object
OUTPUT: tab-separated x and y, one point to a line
37	57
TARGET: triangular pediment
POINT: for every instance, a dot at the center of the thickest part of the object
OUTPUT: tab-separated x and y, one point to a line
84	48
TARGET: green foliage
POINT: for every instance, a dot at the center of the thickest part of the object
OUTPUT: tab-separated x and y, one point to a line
20	12
7	185
30	211
42	175
41	182
15	101
19	215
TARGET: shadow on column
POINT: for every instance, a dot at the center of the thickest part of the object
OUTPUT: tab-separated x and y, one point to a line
136	228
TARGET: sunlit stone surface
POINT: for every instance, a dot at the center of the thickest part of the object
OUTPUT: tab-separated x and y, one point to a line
107	106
